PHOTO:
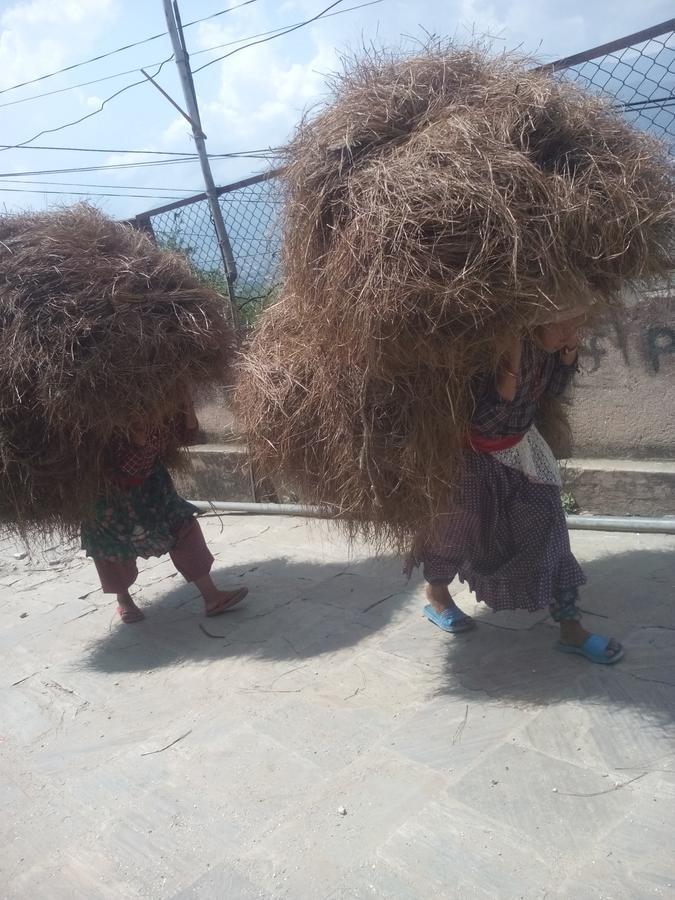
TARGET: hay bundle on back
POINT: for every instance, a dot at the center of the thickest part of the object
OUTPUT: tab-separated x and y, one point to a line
99	332
438	204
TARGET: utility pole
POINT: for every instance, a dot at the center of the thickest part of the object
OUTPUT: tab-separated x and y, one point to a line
175	28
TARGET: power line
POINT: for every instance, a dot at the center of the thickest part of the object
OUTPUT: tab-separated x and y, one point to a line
73	87
138	165
112	167
76	66
273	36
175	153
116	187
190	153
88	115
250	37
266	153
101	56
88	194
215	15
282	28
127	87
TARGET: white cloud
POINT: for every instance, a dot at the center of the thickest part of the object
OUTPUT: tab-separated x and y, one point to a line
40	13
39	36
174	136
262	94
254	98
552	29
121	159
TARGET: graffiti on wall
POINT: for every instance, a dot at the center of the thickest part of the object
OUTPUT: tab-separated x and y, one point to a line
655	344
660	343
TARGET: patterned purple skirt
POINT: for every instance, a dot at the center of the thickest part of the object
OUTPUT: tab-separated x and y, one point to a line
506	538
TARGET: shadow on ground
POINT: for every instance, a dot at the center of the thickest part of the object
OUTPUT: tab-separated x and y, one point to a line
628	595
294	610
298	610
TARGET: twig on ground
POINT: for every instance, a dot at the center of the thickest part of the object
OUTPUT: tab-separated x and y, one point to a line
162	749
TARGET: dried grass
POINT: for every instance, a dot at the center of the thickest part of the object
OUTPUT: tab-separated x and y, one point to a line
99	331
437	204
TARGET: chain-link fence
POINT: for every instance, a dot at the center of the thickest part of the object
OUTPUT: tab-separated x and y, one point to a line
637	72
251	212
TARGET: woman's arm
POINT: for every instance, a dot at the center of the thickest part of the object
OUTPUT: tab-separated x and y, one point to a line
508	371
188	424
566	366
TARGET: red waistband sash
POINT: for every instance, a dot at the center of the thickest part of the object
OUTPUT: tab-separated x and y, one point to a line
128	481
482	444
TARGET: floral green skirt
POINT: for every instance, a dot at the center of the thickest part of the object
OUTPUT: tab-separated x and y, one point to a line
138	521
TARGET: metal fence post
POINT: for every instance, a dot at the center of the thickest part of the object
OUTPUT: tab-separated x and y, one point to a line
182	63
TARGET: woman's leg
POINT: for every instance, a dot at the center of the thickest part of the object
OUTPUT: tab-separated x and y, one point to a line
127	609
194	560
116	577
215	600
439	569
444	612
439	597
565	612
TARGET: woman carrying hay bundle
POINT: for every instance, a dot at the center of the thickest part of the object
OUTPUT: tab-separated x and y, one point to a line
452	219
506	535
102	335
141	515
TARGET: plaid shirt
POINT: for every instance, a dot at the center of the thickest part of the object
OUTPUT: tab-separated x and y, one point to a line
130	464
540	373
133	462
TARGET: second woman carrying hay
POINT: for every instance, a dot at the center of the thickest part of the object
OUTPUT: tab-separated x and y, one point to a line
141	515
445	210
506	535
101	334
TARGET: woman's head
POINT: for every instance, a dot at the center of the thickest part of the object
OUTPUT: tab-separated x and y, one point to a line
555	336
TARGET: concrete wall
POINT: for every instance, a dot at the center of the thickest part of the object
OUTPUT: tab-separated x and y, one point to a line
215	416
624	397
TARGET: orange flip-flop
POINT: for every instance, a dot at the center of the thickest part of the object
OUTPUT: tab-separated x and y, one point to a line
226	605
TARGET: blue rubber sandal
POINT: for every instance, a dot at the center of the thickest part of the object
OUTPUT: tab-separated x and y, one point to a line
454	621
594	649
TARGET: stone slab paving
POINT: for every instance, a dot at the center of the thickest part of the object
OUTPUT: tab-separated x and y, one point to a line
324	742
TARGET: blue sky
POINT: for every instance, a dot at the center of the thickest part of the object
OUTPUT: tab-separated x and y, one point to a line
251	100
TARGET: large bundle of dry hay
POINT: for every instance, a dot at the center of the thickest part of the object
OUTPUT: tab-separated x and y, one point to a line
99	332
438	203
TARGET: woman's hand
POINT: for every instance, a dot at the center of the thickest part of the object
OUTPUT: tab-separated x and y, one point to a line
560	337
569	355
508	372
189	416
187	409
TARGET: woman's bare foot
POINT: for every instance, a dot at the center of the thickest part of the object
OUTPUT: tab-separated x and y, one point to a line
217	602
127	609
574	634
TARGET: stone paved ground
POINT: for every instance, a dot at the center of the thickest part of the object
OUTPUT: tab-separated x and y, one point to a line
485	766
